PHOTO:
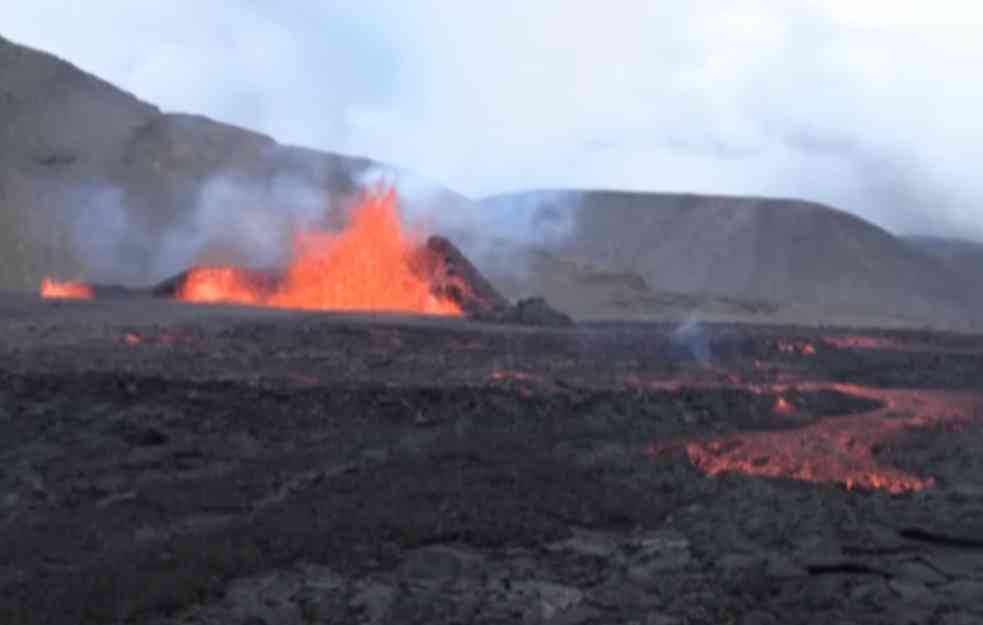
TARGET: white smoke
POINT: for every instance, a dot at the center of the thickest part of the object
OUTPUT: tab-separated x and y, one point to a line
101	231
691	336
493	235
233	220
243	221
869	106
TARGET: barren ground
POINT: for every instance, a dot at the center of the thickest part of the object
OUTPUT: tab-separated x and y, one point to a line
178	464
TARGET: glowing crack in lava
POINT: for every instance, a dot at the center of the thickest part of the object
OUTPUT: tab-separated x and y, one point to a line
804	349
54	289
369	266
841	449
784	407
861	342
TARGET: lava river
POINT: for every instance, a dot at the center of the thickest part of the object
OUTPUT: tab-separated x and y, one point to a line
838	449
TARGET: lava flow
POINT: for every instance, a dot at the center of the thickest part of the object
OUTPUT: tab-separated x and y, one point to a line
54	289
804	349
854	341
840	449
369	266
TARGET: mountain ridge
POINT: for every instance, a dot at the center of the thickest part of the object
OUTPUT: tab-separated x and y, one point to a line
97	183
83	159
789	252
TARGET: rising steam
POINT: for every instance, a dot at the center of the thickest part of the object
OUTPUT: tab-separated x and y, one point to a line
233	220
835	102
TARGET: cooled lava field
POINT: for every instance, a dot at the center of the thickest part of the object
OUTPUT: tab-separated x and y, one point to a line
165	462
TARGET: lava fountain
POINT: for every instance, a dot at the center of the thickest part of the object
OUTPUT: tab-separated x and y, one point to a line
372	265
55	289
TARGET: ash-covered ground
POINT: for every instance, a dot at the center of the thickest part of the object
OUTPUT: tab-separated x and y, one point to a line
169	463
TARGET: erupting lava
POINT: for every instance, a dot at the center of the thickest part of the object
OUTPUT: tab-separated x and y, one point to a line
219	284
370	266
53	289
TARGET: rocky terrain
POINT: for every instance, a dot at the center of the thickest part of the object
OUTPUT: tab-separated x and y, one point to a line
169	463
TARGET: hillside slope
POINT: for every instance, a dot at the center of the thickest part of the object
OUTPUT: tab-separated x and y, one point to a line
965	257
794	254
95	183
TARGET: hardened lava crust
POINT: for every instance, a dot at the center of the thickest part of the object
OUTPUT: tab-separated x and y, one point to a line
165	462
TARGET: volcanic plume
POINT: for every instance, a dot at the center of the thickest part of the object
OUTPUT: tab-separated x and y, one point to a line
368	266
371	265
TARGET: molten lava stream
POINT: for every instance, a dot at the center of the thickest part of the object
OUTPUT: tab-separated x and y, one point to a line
54	289
838	449
366	267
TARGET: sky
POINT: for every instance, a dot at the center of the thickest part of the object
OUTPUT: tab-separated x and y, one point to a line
867	105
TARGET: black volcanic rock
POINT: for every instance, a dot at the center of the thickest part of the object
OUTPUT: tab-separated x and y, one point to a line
455	277
532	311
114	291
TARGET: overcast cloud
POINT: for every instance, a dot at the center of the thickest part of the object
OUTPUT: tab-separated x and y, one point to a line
867	105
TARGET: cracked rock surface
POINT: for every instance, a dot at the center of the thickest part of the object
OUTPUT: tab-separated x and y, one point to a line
175	464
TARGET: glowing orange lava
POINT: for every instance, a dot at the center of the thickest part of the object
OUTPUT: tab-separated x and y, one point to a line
219	284
517	376
838	449
369	266
134	339
854	341
54	289
805	349
784	407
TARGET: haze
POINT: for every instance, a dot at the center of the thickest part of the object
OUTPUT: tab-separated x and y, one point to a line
866	106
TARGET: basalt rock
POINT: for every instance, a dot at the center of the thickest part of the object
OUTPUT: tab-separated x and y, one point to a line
455	277
534	311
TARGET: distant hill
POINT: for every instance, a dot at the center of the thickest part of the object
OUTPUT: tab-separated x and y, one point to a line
961	256
96	183
797	255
